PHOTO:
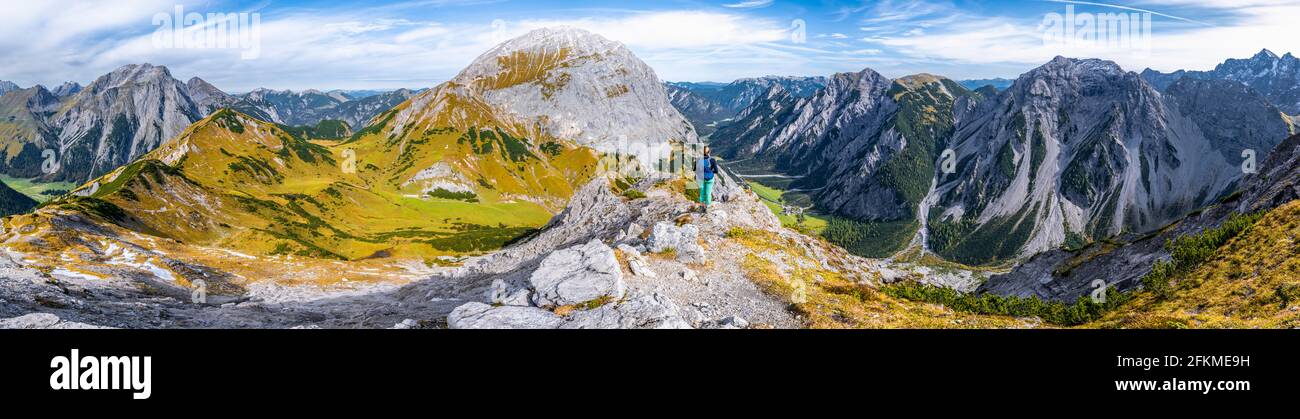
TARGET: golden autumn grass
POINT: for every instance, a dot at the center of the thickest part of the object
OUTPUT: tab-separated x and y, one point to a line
827	300
1252	282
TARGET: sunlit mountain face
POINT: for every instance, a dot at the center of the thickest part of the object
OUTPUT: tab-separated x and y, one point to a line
543	165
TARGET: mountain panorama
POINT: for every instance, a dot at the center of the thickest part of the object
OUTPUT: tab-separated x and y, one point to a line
552	183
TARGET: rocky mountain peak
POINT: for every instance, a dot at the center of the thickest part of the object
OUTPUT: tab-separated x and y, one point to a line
67	89
1066	78
1062	66
569	84
119	117
7	86
133	74
1264	54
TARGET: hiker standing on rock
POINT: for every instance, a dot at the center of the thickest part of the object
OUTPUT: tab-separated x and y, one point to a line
706	170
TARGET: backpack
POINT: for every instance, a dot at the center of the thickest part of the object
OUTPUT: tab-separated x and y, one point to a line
710	167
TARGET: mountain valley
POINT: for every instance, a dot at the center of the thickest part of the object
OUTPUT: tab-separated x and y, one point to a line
550	184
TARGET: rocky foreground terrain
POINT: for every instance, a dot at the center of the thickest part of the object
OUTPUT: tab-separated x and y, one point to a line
606	261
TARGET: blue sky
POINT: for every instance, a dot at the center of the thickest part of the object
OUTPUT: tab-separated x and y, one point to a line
419	43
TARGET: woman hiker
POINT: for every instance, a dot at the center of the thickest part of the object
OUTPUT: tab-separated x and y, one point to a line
705	172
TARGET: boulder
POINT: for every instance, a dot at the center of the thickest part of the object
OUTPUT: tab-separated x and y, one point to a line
636	262
734	322
684	240
482	316
577	275
652	311
631	234
666	236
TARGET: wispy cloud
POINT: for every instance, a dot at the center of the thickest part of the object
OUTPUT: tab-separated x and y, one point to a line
418	43
383	46
753	4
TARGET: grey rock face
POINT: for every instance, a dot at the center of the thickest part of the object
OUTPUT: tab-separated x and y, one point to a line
1046	275
1082	149
1231	116
66	90
118	118
208	97
573	84
594	211
577	275
483	316
7	86
358	113
733	322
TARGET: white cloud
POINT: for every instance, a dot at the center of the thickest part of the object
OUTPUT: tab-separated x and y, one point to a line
367	48
749	4
986	40
674	29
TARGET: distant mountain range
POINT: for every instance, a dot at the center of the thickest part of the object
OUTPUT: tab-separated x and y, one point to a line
998	83
135	109
707	105
1074	151
1276	78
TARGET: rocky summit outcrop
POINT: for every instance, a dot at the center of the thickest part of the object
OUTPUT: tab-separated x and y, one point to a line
565	83
588	276
568	276
577	275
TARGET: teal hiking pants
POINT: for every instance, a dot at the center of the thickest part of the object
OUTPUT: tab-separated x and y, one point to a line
706	192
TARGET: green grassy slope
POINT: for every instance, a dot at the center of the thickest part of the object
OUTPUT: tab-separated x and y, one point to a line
237	182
